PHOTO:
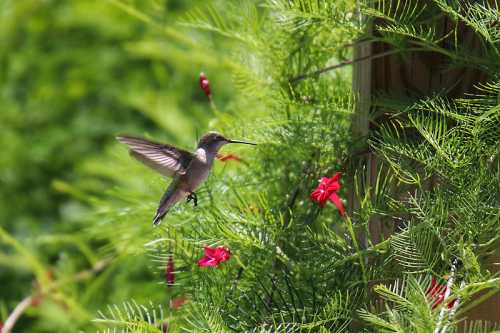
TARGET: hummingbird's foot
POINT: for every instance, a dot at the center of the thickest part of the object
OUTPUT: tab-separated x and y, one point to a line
192	196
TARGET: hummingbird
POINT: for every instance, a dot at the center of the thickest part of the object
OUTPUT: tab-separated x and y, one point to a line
188	170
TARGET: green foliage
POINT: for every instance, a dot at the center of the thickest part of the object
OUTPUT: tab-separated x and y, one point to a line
132	317
295	267
73	75
410	310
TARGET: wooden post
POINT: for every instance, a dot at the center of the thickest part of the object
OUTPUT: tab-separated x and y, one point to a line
416	75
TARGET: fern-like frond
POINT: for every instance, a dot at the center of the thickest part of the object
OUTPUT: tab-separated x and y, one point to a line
407	307
416	248
446	142
301	14
134	318
481	16
406	12
278	327
209	18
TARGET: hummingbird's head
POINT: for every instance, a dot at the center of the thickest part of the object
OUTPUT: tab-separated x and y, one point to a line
213	141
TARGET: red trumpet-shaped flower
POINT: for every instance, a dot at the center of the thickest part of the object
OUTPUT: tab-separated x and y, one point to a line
205	85
327	190
169	272
229	157
436	293
214	256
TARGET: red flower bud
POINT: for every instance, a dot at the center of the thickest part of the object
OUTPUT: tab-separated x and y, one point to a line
169	272
205	85
202	77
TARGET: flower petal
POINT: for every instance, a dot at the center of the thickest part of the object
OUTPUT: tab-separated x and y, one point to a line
436	292
334	198
333	187
319	196
214	256
326	190
207	262
210	251
336	177
222	254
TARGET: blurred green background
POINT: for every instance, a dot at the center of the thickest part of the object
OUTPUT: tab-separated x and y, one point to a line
74	74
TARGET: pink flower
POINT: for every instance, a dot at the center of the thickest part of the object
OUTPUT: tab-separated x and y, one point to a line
229	157
327	190
436	294
205	85
214	256
169	272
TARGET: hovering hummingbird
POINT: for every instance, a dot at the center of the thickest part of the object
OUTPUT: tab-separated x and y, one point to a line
188	170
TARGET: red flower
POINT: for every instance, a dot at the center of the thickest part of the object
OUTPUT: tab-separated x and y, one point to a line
214	256
178	302
436	294
229	157
327	190
169	272
205	85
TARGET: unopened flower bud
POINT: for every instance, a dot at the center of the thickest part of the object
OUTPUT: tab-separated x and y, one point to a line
169	272
205	85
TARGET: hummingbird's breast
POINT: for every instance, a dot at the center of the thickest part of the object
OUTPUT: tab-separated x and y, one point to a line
199	169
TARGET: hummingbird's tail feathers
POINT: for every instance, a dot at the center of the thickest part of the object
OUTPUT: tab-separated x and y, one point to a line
170	198
157	219
163	208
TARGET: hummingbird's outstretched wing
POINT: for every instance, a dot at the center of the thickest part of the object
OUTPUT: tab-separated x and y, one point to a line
166	159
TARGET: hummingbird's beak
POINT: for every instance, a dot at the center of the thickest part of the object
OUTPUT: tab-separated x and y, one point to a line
243	142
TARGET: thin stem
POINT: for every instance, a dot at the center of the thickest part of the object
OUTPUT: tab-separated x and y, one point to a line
27	301
235	282
14	316
38	268
348	62
447	293
454	308
213	106
370	250
358	249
